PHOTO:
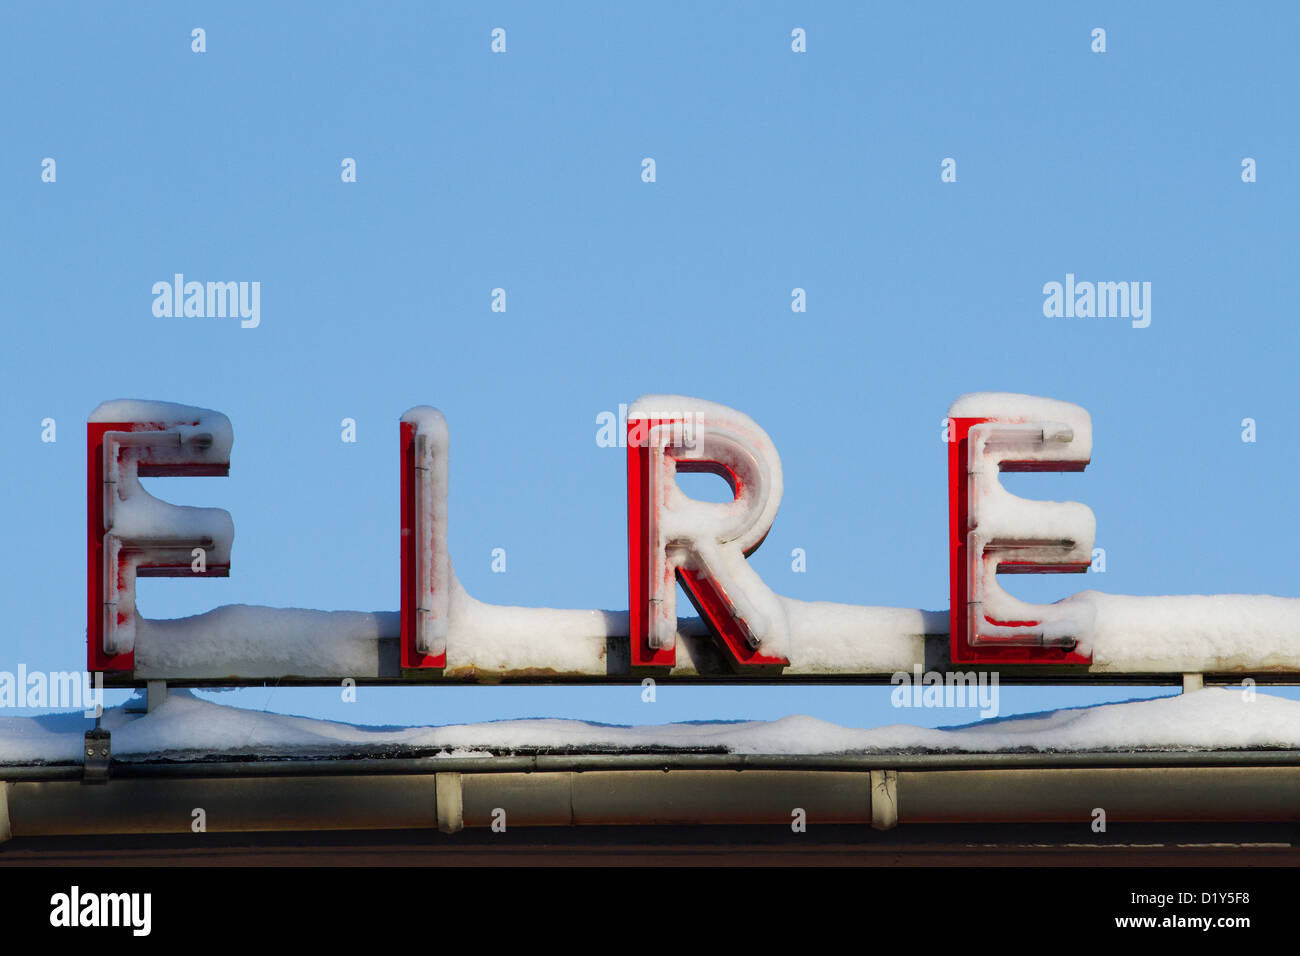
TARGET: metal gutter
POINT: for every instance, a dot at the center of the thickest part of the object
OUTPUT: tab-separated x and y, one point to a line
659	760
640	789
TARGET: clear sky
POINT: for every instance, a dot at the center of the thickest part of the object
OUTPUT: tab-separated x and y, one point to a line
523	171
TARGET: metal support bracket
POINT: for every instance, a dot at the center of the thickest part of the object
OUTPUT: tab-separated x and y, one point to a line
156	693
98	753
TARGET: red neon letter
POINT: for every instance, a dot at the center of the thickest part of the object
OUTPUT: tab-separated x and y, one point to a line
992	531
703	544
426	569
133	534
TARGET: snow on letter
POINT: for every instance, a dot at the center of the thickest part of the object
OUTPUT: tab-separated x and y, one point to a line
132	533
703	544
995	531
426	568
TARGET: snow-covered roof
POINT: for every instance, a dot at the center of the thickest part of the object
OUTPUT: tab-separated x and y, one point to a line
186	726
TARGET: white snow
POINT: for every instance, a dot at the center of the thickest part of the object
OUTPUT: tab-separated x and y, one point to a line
488	639
707	536
141	529
432	563
1013	407
240	640
492	639
185	725
58	738
676	406
187	421
1003	527
827	637
1158	635
1194	633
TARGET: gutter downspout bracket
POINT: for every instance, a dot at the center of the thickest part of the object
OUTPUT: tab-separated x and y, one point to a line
450	803
884	799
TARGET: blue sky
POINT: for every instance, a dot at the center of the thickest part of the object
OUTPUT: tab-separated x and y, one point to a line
522	171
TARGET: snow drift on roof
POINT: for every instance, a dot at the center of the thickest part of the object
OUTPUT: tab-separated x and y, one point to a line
186	726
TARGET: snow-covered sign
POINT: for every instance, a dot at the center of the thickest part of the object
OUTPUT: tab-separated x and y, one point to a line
133	534
744	630
426	566
702	544
993	531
